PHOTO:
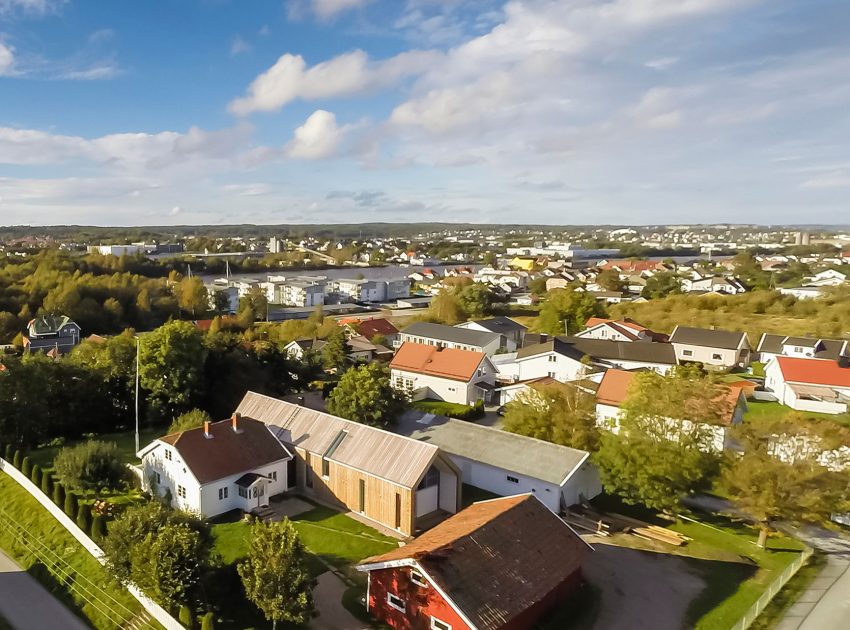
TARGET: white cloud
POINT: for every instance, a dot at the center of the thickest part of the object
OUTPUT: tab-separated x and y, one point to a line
239	46
327	9
290	79
318	138
93	73
836	179
30	7
662	63
7	60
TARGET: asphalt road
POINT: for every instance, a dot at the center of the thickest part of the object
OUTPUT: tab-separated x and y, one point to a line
27	605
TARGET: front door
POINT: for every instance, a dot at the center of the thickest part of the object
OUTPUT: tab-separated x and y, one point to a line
291	473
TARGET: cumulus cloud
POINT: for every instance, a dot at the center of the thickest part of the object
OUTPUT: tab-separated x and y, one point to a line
319	137
290	79
327	9
7	60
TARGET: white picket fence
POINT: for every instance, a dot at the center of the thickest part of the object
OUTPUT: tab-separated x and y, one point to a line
155	610
772	590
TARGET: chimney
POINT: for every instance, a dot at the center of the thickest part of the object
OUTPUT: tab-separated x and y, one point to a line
234	423
207	433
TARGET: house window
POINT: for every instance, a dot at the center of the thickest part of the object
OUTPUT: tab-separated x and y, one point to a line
222	494
397	510
550	374
362	502
418	579
716	357
431	478
181	492
396	602
688	353
158	478
243	492
326	468
167	454
273	475
436	624
513	479
552	358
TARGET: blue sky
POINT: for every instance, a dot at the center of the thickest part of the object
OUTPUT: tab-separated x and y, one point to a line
544	111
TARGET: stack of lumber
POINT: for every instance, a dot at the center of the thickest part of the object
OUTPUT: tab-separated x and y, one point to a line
586	523
653	532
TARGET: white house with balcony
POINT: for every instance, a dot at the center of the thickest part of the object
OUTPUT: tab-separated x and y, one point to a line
222	466
819	385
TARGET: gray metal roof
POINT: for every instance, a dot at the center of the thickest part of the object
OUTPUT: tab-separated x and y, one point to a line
823	348
500	324
527	456
451	334
709	338
374	451
604	349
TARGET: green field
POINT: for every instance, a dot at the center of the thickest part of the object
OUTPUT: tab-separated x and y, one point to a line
758	410
85	578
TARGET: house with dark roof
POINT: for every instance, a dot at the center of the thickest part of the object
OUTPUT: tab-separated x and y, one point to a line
501	564
711	347
571	358
440	373
614	389
222	466
440	335
771	346
512	332
819	385
618	330
508	463
371	328
394	481
55	333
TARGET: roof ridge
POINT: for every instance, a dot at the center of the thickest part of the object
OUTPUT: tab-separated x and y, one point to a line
518	435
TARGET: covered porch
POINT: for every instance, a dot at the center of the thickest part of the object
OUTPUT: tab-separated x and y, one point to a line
437	496
253	490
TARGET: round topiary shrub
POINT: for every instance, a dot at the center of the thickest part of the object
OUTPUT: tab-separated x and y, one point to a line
84	518
8	452
16	459
185	617
98	528
71	504
208	622
59	495
26	467
47	484
35	475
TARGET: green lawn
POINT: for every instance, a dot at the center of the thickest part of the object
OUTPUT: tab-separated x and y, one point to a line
786	598
85	572
762	410
125	440
724	553
330	538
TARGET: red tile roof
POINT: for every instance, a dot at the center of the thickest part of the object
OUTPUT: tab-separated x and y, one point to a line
814	371
459	365
496	558
371	327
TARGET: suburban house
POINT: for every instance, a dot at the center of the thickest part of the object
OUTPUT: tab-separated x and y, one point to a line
222	466
501	564
370	328
713	284
296	349
51	332
452	337
397	482
507	463
571	358
618	330
512	332
457	376
818	385
771	346
711	347
614	389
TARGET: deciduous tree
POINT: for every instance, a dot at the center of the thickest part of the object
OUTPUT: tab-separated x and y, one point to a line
566	311
364	394
91	465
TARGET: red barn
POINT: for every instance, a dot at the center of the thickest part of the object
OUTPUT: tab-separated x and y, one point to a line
498	564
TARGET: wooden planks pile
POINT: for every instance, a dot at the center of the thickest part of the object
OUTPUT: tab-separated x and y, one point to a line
586	523
653	532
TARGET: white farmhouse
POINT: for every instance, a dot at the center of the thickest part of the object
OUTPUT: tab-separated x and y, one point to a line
222	466
818	385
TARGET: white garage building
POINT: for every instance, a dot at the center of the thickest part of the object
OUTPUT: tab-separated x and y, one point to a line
506	463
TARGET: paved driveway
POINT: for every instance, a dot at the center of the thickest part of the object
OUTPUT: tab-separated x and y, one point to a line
27	605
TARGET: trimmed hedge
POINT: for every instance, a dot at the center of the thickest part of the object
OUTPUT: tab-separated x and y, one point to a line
35	475
47	484
84	518
208	622
26	467
453	410
59	494
71	504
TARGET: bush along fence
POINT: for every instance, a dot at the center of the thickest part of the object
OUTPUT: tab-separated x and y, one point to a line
154	610
772	590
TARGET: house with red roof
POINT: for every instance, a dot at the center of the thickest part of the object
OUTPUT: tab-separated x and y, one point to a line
616	385
819	385
501	564
440	373
619	330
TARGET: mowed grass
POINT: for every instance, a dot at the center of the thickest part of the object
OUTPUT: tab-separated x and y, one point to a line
124	440
786	598
109	600
758	410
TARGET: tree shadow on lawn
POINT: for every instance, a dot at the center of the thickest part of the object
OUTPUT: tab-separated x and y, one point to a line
722	580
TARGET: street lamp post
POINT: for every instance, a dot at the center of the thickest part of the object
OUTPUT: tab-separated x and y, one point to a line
138	352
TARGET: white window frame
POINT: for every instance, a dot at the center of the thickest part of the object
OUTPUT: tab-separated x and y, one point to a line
417	578
402	607
439	624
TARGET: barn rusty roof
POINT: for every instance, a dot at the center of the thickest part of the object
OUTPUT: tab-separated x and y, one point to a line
398	459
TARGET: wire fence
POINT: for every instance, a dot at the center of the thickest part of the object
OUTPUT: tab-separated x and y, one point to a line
772	590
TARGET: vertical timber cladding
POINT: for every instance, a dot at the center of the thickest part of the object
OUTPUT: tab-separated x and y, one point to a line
342	487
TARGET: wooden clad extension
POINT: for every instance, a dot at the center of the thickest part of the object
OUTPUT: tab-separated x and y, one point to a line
361	468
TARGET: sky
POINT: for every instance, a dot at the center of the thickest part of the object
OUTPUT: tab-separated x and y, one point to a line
484	111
